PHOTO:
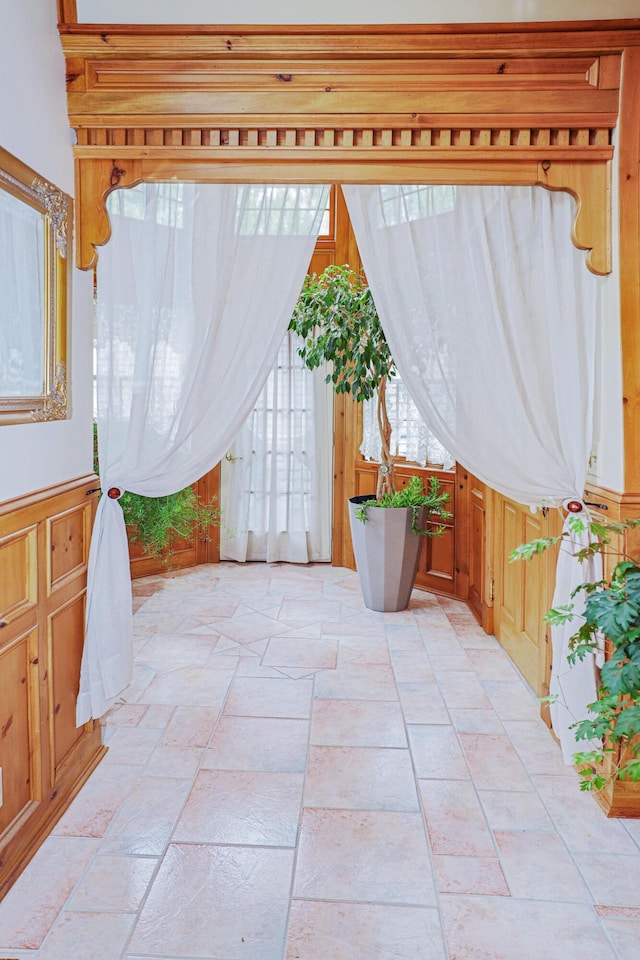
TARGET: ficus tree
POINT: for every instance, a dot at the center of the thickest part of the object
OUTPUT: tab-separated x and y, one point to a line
337	318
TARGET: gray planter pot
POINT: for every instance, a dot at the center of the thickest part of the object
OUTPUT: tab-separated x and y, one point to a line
387	554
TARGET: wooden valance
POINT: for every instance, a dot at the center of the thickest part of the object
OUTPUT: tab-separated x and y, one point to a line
509	103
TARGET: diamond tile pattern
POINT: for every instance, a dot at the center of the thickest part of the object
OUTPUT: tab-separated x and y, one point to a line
294	777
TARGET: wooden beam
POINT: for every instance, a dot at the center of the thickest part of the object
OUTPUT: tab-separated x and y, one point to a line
67	12
629	177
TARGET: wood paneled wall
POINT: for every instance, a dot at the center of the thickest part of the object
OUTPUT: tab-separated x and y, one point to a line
45	758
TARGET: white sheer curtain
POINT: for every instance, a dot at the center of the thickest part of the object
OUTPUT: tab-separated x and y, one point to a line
490	313
276	489
195	291
411	438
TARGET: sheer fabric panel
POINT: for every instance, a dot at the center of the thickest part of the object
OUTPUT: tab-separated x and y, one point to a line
195	291
411	437
276	491
490	313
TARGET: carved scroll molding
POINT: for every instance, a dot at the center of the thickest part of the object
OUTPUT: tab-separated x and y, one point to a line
590	185
56	205
589	182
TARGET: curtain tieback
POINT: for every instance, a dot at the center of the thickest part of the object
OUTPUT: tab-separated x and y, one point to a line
114	493
574	505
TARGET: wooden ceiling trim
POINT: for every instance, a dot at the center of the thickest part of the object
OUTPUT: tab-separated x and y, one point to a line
509	103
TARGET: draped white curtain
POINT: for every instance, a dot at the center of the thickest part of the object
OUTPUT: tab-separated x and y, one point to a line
276	487
411	437
195	291
490	314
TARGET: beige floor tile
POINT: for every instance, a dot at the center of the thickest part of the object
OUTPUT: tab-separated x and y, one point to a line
613	880
132	745
357	723
157	715
96	805
492	665
436	752
475	875
301	652
202	686
538	866
455	821
258	697
512	700
357	682
314	610
501	928
494	762
364	855
360	778
411	667
190	727
461	689
144	822
422	703
179	648
258	743
125	715
217	902
114	884
579	819
251	626
180	762
536	747
476	721
31	907
362	931
87	936
242	807
625	936
512	810
362	650
448	662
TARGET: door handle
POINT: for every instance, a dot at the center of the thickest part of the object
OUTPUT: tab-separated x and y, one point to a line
231	459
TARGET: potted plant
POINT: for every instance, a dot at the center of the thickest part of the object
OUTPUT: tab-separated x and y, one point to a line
337	319
611	611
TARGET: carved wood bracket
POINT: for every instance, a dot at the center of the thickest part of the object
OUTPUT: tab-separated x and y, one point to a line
501	104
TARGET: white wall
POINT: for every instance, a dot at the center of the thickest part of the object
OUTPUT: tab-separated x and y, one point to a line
350	11
34	127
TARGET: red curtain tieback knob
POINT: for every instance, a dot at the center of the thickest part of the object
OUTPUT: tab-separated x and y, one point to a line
114	493
574	506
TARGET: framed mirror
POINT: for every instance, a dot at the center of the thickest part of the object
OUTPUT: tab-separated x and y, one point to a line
35	228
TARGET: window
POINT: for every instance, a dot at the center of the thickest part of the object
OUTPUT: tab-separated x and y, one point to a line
411	437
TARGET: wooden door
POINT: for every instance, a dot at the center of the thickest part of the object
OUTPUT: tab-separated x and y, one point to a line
523	590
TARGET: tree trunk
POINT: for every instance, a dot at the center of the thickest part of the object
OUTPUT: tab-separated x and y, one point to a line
386	479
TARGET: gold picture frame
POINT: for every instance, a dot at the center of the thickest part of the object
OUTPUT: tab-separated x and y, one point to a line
35	249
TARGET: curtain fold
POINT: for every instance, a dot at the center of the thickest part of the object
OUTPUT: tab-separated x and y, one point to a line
195	291
490	314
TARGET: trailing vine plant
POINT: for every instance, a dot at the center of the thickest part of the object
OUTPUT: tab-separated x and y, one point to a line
612	610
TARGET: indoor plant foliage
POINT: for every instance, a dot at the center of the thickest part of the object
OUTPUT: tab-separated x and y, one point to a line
338	321
155	522
432	503
612	610
337	318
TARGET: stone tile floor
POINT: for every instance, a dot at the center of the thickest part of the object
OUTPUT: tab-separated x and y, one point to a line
294	777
